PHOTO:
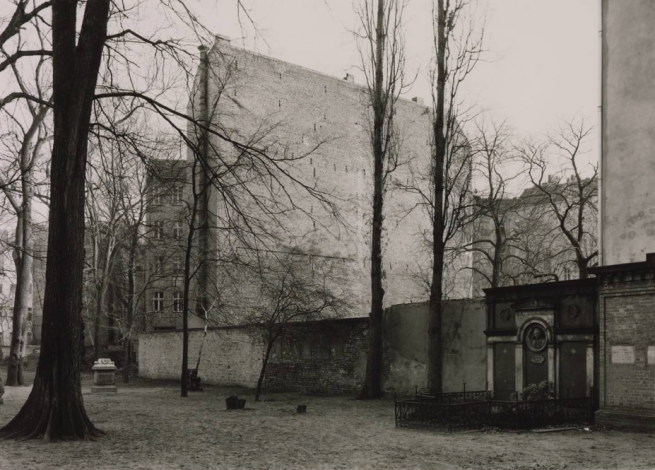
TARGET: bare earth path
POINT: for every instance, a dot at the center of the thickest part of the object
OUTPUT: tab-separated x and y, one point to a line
148	426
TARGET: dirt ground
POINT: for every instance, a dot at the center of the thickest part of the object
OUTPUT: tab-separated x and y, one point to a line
148	426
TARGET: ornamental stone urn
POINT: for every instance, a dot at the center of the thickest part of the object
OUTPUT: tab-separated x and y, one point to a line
103	376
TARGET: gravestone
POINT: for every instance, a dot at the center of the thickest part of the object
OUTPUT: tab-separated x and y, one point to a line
104	371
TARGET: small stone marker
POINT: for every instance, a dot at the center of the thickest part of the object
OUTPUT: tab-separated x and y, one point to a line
301	409
104	371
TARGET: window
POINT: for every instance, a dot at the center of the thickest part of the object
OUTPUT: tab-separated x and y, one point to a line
177	264
158	233
178	194
160	264
177	302
158	198
158	301
177	230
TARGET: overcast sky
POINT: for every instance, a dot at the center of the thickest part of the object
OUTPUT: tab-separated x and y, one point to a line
543	61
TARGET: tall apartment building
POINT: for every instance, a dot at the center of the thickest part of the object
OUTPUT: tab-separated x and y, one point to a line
314	128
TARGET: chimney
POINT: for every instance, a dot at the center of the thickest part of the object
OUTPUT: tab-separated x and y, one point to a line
551	178
418	100
349	78
220	37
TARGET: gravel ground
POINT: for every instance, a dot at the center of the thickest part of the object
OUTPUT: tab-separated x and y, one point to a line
148	426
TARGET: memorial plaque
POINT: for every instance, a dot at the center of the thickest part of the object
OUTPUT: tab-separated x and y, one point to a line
651	355
623	354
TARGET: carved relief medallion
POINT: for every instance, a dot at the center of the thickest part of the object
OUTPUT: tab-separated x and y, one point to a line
573	312
506	314
536	338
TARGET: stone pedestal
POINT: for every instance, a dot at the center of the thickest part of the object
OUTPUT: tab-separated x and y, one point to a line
104	371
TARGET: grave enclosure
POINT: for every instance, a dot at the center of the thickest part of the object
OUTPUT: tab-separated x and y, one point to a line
542	333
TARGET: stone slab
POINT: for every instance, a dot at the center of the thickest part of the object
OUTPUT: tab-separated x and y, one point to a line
623	354
104	389
651	355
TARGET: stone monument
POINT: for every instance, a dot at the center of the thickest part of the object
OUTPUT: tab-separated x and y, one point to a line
104	371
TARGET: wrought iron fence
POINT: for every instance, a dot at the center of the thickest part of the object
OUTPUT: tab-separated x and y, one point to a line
440	413
452	397
540	413
447	416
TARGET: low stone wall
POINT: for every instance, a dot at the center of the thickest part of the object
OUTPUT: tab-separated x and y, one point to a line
330	356
464	346
230	356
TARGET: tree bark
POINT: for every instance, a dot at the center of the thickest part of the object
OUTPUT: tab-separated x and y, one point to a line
262	372
373	380
127	337
97	344
439	158
55	408
23	263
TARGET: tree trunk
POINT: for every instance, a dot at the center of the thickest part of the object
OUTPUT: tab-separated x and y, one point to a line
55	408
582	268
373	380
23	262
262	372
97	344
439	158
127	346
498	258
131	288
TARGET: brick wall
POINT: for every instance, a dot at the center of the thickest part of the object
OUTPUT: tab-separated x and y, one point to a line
230	356
629	320
321	356
330	355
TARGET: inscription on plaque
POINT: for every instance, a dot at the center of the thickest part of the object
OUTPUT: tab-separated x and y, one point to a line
623	354
537	359
651	355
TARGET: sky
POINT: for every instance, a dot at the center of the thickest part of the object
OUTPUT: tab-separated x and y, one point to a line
542	65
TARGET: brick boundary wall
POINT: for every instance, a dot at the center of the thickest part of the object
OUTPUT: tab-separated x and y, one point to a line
626	316
329	356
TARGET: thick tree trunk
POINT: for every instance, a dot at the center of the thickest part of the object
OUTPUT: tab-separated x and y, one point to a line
439	158
55	408
262	372
373	380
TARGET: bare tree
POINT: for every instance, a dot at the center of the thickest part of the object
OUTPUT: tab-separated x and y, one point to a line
93	70
567	187
103	228
457	49
285	290
493	230
383	62
28	130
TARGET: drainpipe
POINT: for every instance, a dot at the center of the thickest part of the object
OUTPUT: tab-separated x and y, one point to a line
601	206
